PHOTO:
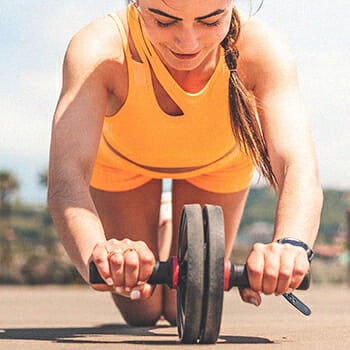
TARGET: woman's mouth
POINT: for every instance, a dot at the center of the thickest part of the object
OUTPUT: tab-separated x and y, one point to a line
184	56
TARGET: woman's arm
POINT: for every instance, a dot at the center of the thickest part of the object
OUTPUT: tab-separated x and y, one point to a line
277	268
289	140
75	138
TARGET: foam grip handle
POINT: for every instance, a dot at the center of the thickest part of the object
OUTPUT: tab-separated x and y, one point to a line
239	278
163	273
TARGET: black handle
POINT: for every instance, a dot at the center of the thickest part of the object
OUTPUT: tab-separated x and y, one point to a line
163	273
239	278
168	273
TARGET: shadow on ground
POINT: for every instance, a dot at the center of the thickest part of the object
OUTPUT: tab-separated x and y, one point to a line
110	334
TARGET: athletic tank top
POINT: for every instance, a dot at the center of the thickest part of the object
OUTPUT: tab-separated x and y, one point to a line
145	139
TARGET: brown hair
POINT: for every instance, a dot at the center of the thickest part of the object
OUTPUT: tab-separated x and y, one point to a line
245	122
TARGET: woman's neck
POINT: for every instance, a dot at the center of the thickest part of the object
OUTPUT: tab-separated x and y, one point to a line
194	80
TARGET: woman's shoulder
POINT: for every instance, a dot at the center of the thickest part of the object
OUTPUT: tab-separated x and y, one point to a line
97	42
263	50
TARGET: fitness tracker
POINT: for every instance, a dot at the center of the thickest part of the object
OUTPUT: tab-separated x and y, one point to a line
298	243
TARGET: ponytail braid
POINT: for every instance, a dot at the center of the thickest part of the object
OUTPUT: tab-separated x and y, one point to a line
246	127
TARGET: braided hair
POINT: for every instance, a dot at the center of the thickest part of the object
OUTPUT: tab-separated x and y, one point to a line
245	124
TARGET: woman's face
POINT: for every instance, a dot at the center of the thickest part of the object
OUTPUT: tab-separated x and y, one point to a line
186	32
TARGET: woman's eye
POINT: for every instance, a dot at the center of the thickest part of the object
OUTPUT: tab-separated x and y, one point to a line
167	24
211	24
164	24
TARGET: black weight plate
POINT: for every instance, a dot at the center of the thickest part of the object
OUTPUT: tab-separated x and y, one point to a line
191	274
214	234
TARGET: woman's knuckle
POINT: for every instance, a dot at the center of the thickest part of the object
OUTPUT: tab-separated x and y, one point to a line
113	241
258	247
98	259
116	260
254	270
270	274
299	271
141	244
147	259
285	272
132	264
275	247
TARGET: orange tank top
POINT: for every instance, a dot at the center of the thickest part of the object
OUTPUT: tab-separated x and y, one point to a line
142	138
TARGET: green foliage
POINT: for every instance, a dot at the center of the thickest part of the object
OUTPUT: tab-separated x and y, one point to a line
334	212
261	206
8	186
34	255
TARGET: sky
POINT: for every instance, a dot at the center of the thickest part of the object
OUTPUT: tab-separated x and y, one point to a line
35	34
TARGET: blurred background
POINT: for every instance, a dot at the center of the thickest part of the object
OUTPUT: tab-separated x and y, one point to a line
34	37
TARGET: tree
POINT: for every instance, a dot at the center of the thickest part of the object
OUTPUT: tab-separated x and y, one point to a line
43	181
43	178
8	187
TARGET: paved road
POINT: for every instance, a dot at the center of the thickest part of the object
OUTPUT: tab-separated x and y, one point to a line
69	318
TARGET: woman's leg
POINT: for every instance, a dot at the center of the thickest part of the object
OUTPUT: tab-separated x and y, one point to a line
165	227
232	205
133	214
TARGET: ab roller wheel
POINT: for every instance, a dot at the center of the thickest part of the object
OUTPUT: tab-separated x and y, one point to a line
200	274
190	288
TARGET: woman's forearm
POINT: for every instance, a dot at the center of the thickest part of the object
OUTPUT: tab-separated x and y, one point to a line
76	222
299	206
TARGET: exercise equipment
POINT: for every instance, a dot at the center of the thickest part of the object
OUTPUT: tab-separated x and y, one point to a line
190	284
200	274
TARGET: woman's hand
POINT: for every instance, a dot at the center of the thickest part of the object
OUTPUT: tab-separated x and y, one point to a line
125	266
274	269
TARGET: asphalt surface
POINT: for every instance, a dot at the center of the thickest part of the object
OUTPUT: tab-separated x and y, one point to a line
68	318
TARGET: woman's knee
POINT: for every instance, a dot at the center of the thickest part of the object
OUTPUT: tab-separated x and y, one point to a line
169	305
140	319
140	313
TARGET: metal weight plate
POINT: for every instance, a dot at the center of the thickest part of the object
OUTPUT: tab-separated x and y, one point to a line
214	236
191	274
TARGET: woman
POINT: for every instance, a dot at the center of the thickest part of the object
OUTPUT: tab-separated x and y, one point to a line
189	90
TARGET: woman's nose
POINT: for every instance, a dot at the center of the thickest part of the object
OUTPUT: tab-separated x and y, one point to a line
187	41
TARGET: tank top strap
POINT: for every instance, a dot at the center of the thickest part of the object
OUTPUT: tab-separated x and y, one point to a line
121	31
136	73
149	55
136	34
